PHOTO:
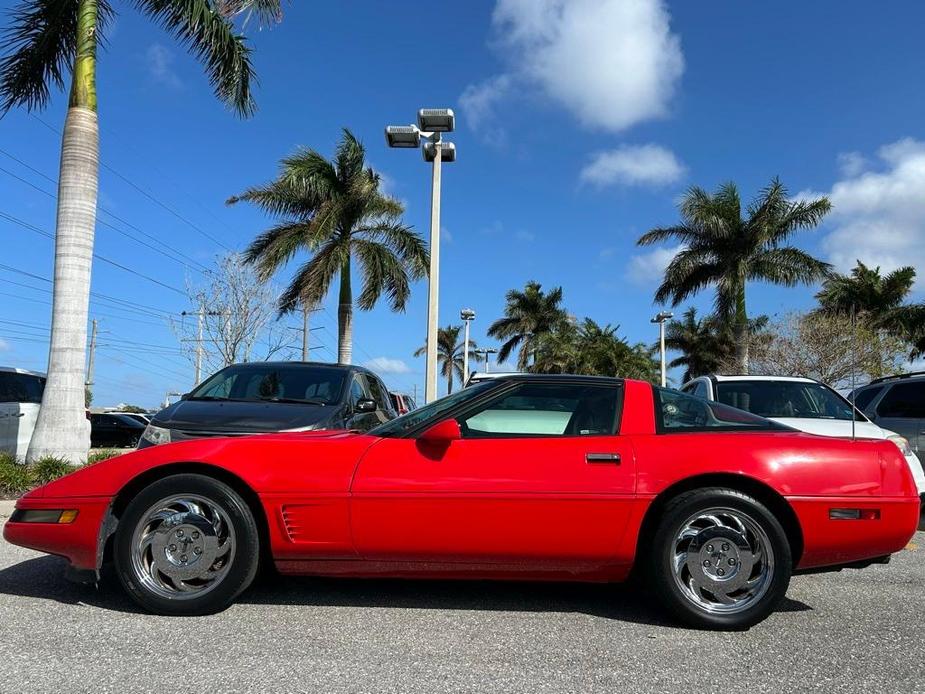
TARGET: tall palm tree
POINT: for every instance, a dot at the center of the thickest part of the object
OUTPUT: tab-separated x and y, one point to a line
47	42
336	211
865	292
725	250
450	352
704	346
528	315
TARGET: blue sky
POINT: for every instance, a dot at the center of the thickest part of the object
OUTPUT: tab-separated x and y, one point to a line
580	123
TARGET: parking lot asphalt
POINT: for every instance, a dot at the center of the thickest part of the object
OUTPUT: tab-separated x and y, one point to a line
853	631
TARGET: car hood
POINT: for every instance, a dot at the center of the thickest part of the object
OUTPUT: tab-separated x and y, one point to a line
242	417
833	427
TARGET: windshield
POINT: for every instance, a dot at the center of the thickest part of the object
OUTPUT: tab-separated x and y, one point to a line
286	383
803	400
432	410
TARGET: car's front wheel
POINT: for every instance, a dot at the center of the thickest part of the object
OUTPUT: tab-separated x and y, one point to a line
719	559
186	545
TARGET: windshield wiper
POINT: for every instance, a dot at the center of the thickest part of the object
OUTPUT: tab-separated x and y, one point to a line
296	401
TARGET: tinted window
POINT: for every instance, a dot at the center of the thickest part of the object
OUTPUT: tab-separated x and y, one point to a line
16	387
273	382
866	396
357	390
546	409
804	400
904	400
380	394
678	412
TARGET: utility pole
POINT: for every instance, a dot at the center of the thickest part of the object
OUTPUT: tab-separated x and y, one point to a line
200	314
467	315
305	313
89	381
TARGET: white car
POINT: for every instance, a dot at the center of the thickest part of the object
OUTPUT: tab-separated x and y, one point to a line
803	404
20	398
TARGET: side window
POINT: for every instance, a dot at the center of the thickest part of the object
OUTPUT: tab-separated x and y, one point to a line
16	387
700	390
904	400
546	409
688	387
379	393
866	396
680	412
357	390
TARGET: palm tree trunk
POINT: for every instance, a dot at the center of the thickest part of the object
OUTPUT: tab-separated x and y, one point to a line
740	331
449	380
345	317
62	428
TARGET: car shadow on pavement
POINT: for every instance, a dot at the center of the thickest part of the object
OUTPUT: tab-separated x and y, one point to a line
43	578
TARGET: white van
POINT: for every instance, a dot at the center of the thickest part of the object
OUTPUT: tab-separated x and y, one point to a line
20	398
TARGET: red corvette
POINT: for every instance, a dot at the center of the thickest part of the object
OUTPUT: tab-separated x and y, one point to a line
524	477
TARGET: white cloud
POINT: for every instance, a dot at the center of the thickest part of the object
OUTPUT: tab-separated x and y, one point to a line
633	165
851	163
4	345
445	235
611	63
385	365
160	65
649	268
878	213
527	236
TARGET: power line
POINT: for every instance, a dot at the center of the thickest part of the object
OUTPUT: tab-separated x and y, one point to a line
183	259
146	193
35	229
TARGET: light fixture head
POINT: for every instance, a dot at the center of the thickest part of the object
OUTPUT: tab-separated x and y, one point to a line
662	317
436	120
467	314
448	151
403	136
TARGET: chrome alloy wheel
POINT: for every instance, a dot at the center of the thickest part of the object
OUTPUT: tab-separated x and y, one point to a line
183	547
723	561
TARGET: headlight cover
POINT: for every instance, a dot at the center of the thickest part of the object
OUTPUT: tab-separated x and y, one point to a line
902	443
156	435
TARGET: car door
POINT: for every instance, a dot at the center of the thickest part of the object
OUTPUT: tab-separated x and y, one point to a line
8	408
540	477
902	409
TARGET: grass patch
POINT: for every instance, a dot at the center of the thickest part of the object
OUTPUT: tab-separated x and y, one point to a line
50	468
15	478
105	454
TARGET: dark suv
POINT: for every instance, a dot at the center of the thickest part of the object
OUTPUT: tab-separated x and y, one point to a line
261	397
896	403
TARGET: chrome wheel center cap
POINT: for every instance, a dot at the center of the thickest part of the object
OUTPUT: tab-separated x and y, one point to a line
720	555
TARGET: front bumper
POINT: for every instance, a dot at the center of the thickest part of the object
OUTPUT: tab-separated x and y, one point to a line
77	541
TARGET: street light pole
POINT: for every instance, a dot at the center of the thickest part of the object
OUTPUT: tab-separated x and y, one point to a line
432	122
661	318
433	284
467	315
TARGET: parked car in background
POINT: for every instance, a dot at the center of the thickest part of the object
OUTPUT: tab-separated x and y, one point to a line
403	403
897	403
803	404
529	477
262	397
114	430
20	399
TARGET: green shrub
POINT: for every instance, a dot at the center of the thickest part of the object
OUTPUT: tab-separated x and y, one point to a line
50	468
100	456
15	478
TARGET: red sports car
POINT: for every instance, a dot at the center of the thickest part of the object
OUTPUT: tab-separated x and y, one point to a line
522	477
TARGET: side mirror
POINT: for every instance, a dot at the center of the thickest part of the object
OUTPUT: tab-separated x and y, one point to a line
442	432
184	396
365	405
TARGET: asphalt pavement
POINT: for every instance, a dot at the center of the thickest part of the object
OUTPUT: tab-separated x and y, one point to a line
851	631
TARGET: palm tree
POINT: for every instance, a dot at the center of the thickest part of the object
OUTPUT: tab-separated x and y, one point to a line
865	292
450	352
704	347
528	315
336	211
724	250
44	40
592	349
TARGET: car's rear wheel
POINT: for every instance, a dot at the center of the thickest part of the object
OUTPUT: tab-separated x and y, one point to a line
186	545
719	559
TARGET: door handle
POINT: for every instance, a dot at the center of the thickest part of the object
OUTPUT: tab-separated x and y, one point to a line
613	458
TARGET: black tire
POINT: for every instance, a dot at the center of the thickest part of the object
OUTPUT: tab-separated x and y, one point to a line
685	603
237	570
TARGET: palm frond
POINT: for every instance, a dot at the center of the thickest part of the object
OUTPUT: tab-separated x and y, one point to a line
311	283
210	36
382	272
275	247
788	266
402	240
39	46
684	234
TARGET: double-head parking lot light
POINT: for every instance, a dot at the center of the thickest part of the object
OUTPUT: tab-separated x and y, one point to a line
432	122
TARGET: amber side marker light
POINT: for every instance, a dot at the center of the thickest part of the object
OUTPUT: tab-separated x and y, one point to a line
854	514
44	515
